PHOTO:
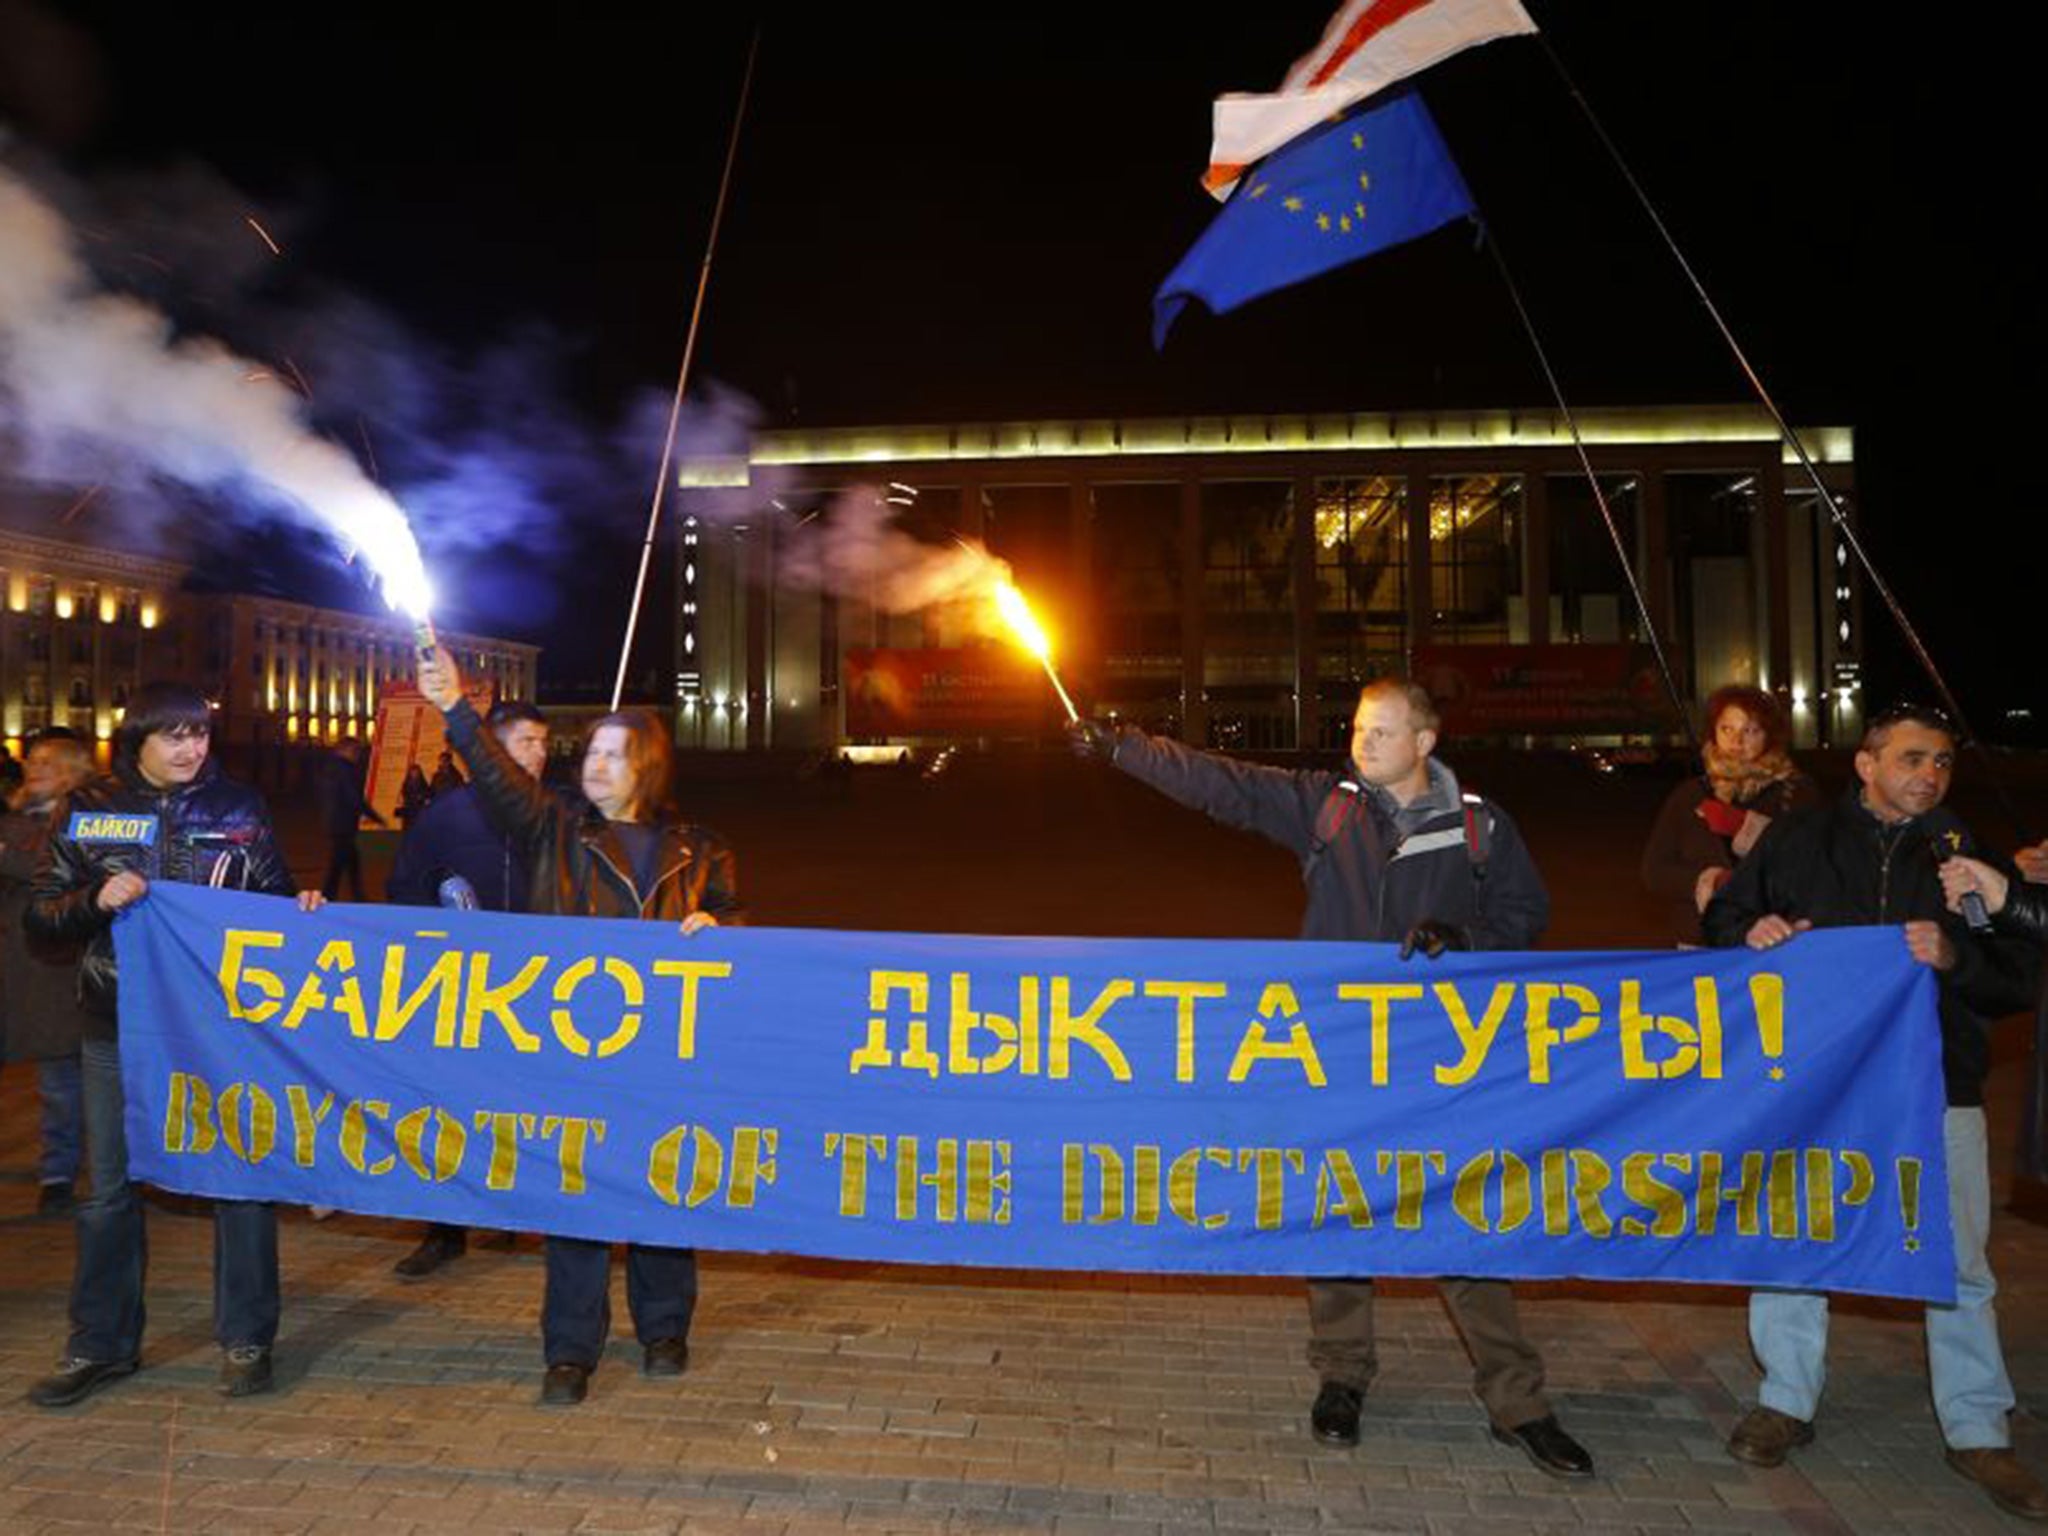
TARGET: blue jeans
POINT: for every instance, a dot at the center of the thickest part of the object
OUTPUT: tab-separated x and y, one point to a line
1972	1393
576	1311
61	1088
107	1312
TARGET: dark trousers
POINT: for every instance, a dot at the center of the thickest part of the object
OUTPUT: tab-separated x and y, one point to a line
576	1312
343	858
1507	1371
107	1311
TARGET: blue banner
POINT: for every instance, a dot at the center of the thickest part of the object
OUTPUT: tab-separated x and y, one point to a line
1273	1108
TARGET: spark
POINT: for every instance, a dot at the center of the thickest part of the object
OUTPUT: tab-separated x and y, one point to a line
262	234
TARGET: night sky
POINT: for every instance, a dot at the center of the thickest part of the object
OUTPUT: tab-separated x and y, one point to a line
962	212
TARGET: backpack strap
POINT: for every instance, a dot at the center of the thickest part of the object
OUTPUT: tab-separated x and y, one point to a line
1478	833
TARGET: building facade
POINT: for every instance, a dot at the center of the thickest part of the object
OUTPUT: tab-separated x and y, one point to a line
84	626
1234	580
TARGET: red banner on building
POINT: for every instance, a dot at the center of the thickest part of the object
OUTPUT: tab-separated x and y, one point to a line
982	690
1545	690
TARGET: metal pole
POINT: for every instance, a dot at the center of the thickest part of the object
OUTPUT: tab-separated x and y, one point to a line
675	409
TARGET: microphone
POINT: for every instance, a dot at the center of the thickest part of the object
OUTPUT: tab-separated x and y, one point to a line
1946	838
454	891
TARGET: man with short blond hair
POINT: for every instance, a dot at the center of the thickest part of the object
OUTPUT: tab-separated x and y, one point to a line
1393	851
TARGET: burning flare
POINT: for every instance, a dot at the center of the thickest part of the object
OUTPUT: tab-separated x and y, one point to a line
1031	635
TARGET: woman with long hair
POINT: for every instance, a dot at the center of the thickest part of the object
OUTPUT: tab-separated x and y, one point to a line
618	849
1713	819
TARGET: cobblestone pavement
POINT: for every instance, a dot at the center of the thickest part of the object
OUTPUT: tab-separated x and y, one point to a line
828	1397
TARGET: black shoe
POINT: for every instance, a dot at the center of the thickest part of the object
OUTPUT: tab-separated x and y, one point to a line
75	1380
665	1357
564	1386
1546	1444
433	1251
55	1200
244	1370
1334	1416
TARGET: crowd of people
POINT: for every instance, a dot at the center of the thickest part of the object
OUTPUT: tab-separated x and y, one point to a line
1392	848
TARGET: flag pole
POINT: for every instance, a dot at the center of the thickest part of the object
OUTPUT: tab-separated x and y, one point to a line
1791	438
675	410
1571	421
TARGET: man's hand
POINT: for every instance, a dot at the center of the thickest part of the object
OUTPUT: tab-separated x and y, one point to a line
312	901
1930	946
2033	863
440	680
1961	874
1707	882
1092	741
1771	930
122	890
1432	938
698	921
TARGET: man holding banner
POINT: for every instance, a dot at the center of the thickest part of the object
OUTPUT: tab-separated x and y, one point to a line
1872	858
1391	850
166	813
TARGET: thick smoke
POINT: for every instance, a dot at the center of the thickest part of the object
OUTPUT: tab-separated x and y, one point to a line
91	378
859	548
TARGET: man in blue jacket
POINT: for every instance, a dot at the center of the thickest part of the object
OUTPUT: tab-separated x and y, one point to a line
1391	851
451	855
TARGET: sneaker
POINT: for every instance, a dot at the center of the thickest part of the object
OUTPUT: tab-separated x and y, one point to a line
76	1379
1765	1437
665	1357
244	1370
56	1199
434	1251
2010	1486
565	1385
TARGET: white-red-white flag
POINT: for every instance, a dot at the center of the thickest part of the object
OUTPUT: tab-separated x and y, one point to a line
1368	45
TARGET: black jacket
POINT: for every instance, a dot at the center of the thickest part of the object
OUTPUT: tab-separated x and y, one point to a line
455	836
577	866
212	831
1838	866
1364	880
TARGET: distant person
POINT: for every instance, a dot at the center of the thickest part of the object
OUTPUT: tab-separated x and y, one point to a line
39	983
617	850
1713	819
446	775
338	790
1388	855
415	794
203	829
1871	859
453	855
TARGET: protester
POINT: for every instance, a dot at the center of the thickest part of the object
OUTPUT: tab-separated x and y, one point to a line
447	776
1871	858
415	794
39	984
338	786
1713	819
454	855
1390	850
196	827
617	850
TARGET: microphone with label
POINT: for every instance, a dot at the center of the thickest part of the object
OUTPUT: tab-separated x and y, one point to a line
1946	837
454	891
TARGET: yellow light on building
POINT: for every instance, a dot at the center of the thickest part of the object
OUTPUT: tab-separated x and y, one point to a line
64	605
110	606
291	727
148	613
17	592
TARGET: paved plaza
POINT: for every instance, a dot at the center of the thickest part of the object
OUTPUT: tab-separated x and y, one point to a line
824	1397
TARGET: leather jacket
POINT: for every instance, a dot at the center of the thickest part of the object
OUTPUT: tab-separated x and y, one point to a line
578	865
212	831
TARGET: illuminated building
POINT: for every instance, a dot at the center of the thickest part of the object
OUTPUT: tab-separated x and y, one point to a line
1234	579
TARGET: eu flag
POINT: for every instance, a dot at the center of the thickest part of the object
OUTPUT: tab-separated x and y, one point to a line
1336	194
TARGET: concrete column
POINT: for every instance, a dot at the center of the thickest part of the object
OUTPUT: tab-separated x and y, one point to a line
1536	553
1419	602
759	597
1194	709
1657	573
1307	709
1777	589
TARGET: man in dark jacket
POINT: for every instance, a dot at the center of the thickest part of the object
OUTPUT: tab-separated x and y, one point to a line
165	813
338	788
39	985
1872	858
1391	851
454	840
